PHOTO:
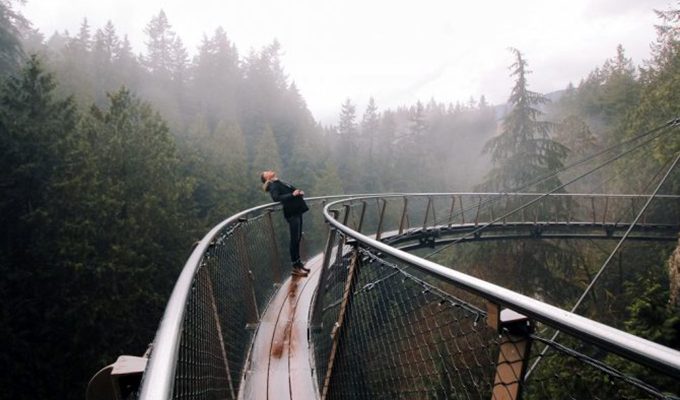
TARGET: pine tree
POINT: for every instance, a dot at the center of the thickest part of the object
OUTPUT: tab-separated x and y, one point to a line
180	60
523	151
31	119
660	95
161	39
11	51
348	148
385	153
417	126
140	219
266	100
104	47
35	130
234	167
126	65
328	181
105	43
216	78
165	64
75	71
414	158
369	129
266	155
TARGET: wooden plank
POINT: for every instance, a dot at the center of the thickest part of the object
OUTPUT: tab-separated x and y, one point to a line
280	365
278	386
255	383
302	385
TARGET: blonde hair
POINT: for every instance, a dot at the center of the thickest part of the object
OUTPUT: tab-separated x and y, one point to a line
265	182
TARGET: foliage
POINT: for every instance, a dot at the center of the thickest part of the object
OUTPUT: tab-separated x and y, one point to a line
102	195
523	151
11	24
660	84
93	232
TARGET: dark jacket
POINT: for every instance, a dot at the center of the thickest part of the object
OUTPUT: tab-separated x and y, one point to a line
283	192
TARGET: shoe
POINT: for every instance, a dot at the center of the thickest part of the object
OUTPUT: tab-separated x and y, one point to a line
299	271
300	265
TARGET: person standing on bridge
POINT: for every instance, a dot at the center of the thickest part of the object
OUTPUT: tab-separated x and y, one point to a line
294	206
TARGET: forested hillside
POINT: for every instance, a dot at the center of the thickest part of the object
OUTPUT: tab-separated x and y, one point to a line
113	163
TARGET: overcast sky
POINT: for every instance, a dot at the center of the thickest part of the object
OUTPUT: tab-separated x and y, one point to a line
396	51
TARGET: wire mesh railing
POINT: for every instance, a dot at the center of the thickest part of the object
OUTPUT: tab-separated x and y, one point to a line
388	324
200	350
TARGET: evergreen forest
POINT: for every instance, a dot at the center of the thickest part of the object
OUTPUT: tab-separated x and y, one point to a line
112	164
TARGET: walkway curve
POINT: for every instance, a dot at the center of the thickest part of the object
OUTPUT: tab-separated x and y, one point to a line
280	361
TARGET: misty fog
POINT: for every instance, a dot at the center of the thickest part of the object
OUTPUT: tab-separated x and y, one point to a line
116	157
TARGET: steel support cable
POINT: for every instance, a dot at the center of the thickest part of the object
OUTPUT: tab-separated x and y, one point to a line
606	263
601	366
647	186
544	195
634	160
626	345
671	123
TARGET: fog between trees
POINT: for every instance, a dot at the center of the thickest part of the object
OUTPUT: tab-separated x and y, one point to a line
113	164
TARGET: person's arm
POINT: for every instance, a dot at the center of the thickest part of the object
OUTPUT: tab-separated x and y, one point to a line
275	191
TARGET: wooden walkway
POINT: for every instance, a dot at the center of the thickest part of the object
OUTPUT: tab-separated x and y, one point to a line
280	362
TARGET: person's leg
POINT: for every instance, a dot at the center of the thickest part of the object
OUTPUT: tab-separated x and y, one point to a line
295	225
299	245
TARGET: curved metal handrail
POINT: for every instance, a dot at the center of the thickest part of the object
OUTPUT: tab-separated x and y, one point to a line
157	382
160	372
619	342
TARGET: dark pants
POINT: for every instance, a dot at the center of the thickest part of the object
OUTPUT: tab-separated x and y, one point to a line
295	226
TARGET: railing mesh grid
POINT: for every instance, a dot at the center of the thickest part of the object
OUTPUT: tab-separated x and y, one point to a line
231	288
406	334
404	338
402	333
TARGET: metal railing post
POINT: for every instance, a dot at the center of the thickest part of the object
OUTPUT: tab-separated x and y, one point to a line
339	325
453	206
321	288
345	217
218	328
513	351
505	209
363	213
248	289
276	259
402	222
378	234
427	212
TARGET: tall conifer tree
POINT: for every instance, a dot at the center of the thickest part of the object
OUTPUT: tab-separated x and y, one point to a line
523	151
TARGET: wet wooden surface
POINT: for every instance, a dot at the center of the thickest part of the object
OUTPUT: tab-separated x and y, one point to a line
280	361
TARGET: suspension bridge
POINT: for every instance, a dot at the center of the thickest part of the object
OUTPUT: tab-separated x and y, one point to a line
381	316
